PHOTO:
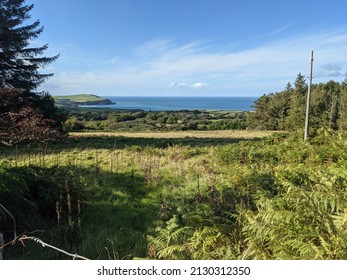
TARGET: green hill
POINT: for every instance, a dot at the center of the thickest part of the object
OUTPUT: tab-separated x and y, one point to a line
81	99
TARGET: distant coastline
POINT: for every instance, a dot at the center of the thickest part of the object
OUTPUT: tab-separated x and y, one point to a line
81	100
151	103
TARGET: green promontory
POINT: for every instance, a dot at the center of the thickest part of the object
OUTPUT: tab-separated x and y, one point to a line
81	99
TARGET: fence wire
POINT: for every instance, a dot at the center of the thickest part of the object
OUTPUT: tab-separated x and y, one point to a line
12	217
44	244
23	238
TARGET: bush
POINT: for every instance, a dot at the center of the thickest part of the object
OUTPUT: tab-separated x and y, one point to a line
40	198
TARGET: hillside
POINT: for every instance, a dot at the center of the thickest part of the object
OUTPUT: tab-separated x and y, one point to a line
81	99
184	197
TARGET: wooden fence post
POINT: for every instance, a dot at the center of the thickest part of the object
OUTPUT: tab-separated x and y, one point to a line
1	243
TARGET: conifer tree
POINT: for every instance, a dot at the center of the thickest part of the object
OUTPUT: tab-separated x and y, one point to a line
19	62
343	105
20	65
296	113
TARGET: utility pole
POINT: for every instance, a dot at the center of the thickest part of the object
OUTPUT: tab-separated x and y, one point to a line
307	121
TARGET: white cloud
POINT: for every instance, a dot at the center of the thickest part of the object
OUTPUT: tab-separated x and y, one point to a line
176	85
261	69
199	85
153	48
280	29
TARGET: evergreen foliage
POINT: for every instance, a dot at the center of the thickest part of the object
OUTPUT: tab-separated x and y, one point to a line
20	63
286	110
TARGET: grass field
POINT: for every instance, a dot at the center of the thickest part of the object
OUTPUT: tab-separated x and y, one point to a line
126	177
80	98
215	134
166	139
182	195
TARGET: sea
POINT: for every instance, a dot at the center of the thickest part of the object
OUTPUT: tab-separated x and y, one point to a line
147	103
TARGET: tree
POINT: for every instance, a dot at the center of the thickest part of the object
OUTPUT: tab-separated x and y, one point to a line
296	113
288	87
342	122
21	123
333	89
171	119
300	84
285	110
260	118
20	63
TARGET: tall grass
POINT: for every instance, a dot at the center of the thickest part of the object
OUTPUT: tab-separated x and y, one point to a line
125	182
188	198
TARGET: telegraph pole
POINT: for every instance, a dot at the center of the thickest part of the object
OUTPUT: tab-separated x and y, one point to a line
308	98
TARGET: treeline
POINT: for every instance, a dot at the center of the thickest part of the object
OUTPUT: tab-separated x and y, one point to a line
285	110
81	120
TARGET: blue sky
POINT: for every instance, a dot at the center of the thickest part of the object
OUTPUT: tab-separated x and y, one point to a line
190	47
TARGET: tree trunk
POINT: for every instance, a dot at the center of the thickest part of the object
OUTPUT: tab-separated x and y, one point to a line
333	116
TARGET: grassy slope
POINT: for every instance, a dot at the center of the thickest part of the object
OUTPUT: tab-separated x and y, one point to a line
137	181
124	177
80	98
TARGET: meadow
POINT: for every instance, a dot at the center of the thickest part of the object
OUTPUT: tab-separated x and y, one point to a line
180	195
134	184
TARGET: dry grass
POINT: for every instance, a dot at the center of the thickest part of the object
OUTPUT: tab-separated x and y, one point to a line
244	134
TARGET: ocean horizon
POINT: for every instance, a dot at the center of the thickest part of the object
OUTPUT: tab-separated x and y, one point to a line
152	103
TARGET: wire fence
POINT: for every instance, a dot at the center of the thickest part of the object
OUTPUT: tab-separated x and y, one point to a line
1	243
12	217
22	238
44	244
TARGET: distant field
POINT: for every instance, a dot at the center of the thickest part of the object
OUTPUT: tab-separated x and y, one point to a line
80	97
164	139
246	134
